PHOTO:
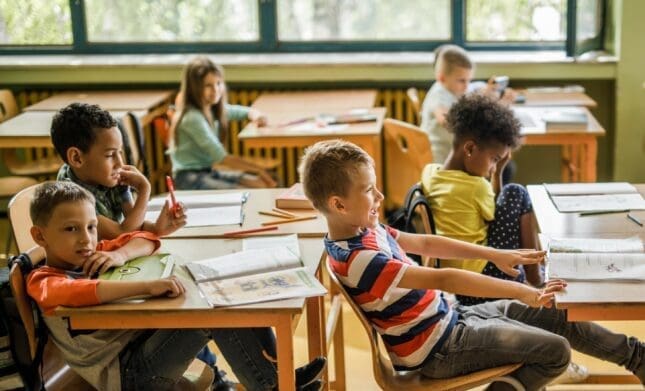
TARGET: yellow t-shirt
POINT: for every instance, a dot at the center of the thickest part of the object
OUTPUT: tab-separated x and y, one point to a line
462	205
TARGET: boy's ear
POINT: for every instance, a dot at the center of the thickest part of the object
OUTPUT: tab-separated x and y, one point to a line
37	235
469	147
336	204
74	157
441	77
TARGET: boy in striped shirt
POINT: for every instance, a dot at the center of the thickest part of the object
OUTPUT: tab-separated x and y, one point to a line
405	304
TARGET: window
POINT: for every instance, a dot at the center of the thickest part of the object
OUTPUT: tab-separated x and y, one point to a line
172	26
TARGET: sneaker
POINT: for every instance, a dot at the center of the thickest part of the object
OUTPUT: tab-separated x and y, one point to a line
574	374
221	383
310	372
315	385
505	383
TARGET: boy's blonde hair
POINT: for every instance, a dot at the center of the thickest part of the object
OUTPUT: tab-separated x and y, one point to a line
51	194
327	169
449	57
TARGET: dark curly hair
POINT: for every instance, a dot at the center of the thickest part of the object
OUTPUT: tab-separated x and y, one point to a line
76	126
484	120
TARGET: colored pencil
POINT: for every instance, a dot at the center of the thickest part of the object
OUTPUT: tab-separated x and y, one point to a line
293	220
242	232
274	214
284	212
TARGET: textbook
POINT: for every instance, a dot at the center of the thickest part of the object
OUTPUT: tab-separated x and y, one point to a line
152	267
205	209
595	245
266	269
349	118
293	198
558	189
599	203
569	118
202	200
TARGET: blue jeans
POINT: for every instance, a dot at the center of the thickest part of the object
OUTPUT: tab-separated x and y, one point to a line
207	179
158	359
507	331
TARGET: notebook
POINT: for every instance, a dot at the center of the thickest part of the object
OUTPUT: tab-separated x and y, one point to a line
152	267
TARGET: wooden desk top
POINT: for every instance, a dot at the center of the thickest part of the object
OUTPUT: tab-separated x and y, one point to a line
556	99
310	129
311	103
259	199
552	222
108	100
593	127
32	129
192	303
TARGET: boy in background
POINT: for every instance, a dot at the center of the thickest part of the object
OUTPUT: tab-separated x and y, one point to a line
405	304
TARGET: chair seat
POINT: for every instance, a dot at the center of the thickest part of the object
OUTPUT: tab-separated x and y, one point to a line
266	163
11	185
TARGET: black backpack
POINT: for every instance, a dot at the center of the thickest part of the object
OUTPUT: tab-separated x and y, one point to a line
403	218
18	370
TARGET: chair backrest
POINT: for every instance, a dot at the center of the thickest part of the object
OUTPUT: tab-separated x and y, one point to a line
389	379
133	141
413	99
19	218
407	152
8	105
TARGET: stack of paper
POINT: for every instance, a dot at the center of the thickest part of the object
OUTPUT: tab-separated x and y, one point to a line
205	209
595	197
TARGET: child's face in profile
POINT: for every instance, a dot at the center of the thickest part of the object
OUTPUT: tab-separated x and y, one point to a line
457	80
213	89
69	237
484	158
361	206
101	164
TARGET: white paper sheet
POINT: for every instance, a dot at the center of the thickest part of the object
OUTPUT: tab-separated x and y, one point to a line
596	203
596	266
558	189
288	241
202	200
199	217
594	245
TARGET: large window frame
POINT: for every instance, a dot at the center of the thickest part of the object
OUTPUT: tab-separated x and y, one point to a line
269	43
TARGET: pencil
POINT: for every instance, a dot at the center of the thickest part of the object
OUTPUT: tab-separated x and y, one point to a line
284	212
293	220
602	212
634	219
249	231
274	214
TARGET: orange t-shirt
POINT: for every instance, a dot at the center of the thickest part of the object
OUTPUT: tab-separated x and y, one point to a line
51	287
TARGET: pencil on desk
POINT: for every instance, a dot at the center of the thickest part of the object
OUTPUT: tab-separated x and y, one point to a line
602	212
274	214
284	212
293	220
248	231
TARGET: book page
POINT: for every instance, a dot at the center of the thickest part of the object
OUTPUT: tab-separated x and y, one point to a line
590	188
288	241
596	266
202	200
243	263
199	217
257	288
583	245
596	203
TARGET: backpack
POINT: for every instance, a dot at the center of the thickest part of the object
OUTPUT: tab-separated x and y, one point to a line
18	370
403	218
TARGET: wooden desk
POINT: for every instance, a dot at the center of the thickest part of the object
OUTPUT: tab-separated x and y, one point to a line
192	311
154	102
579	146
32	129
556	98
284	107
259	199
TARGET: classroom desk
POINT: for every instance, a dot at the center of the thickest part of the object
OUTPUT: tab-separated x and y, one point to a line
556	98
153	102
282	108
32	129
579	146
259	199
192	311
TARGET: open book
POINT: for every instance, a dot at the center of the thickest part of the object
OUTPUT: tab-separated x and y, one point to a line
266	269
595	197
596	259
205	209
152	267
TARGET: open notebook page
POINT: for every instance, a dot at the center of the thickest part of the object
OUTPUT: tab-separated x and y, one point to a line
596	266
590	188
202	200
597	203
199	217
584	245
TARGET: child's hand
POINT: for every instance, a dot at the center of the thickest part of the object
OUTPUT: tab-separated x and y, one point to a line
170	220
506	260
130	176
542	297
499	167
171	287
258	117
101	261
509	96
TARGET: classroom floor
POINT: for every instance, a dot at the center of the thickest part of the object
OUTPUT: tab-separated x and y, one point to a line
358	357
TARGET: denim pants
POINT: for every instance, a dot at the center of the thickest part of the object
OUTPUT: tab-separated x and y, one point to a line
158	359
207	179
507	331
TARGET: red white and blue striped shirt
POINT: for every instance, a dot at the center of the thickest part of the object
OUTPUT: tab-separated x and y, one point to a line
412	322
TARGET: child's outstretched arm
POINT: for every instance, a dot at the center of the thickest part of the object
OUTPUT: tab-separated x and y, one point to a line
442	247
467	283
108	291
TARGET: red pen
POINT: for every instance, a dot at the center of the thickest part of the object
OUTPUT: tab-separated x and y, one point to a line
171	190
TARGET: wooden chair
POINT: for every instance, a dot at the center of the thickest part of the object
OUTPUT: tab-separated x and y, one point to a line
9	187
389	379
133	141
413	99
407	152
15	165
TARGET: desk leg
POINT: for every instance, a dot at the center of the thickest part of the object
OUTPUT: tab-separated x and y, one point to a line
589	158
316	338
284	336
565	171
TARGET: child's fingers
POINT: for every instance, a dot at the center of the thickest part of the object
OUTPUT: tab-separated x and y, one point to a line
510	271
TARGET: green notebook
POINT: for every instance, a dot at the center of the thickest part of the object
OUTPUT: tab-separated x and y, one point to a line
152	267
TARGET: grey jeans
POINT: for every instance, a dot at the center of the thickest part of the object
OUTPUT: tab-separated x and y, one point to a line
507	331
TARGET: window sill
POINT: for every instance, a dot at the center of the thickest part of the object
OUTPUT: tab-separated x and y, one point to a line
294	67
